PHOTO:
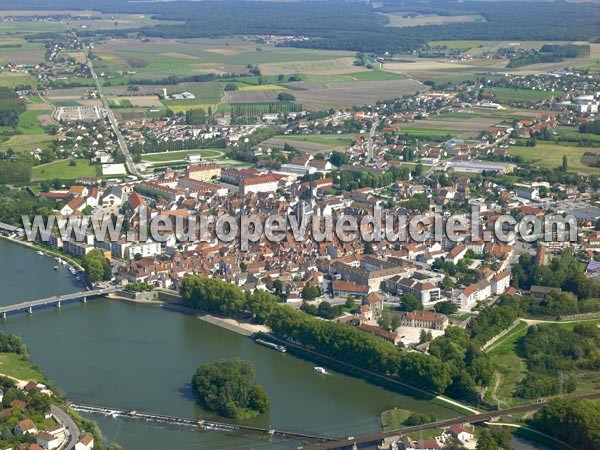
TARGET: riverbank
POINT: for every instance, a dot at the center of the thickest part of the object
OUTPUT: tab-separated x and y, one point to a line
46	251
243	328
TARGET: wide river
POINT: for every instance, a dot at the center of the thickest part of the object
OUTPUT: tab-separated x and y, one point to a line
123	355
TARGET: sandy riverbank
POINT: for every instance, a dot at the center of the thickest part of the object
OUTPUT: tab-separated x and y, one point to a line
243	328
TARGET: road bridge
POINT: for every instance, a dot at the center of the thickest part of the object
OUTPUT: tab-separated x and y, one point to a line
475	418
56	301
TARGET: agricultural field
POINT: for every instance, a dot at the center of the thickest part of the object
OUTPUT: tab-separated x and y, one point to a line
549	154
354	93
16	50
12	79
310	144
63	170
502	94
414	20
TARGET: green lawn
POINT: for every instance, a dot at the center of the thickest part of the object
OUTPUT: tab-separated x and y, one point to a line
62	170
181	155
549	154
14	366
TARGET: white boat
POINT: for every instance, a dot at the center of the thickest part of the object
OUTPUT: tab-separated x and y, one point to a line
55	267
40	253
320	370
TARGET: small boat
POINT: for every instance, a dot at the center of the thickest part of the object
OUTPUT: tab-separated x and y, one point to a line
40	253
279	348
56	267
320	370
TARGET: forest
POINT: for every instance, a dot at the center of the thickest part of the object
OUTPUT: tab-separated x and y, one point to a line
574	421
357	26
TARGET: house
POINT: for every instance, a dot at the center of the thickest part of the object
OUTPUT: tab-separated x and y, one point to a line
204	172
500	283
375	303
473	293
112	196
457	253
384	334
424	319
86	442
47	441
344	288
460	433
25	427
76	204
539	292
266	183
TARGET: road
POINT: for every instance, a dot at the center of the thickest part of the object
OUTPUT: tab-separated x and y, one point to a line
55	299
74	433
113	122
371	137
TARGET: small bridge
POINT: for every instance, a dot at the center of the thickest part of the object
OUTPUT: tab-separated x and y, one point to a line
56	301
195	423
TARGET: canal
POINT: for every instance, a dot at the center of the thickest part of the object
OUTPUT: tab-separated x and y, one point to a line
125	355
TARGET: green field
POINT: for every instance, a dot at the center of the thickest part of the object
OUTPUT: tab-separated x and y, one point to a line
547	154
521	95
333	141
15	366
510	368
182	155
393	419
62	170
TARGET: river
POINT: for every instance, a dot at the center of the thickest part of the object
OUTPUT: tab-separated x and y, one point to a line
124	355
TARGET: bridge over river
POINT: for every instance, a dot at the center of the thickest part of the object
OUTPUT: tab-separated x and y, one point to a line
56	301
196	423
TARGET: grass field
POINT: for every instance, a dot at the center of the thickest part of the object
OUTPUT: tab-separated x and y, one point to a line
521	95
547	154
394	418
15	366
333	140
182	155
510	368
458	45
13	80
62	170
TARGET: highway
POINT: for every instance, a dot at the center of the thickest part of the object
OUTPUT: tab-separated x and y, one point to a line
475	418
113	122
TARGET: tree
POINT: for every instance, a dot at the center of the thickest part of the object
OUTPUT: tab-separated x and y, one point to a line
411	303
486	441
368	249
310	292
349	303
425	336
338	159
114	446
229	389
447	308
96	266
565	164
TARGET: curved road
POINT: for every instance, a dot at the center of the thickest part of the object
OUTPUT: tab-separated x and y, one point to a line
74	433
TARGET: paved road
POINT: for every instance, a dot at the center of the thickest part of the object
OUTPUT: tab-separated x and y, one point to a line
113	122
70	425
